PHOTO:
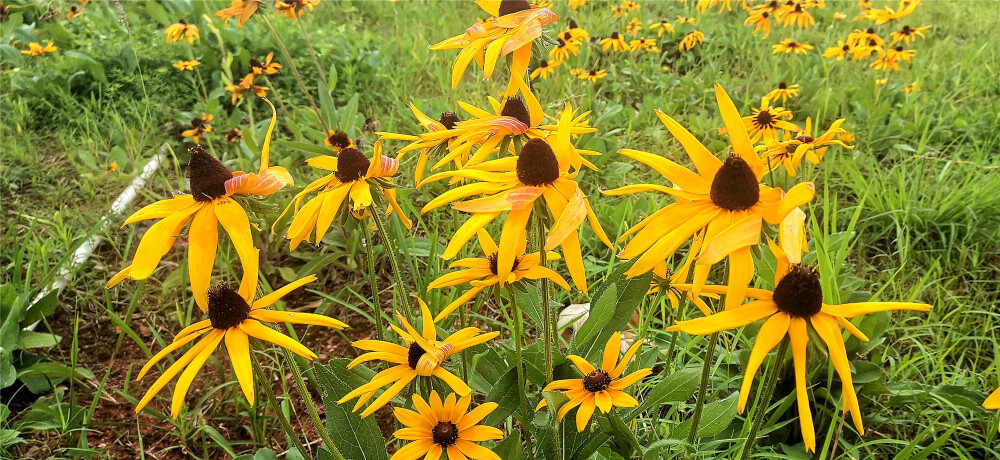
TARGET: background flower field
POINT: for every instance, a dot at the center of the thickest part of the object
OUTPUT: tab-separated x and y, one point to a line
912	212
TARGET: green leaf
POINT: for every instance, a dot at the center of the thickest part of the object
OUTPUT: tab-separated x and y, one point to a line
31	339
678	386
331	78
356	437
505	394
623	436
510	448
612	305
715	417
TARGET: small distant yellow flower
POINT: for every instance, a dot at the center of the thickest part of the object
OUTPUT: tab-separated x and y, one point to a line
661	27
112	167
908	34
838	16
544	69
183	65
633	27
788	46
684	20
911	88
234	135
783	92
766	120
600	387
35	49
645	44
563	50
797	16
882	16
593	75
618	11
244	86
199	126
614	41
268	66
881	81
294	9
181	29
630	6
762	21
665	69
74	12
839	52
691	40
576	4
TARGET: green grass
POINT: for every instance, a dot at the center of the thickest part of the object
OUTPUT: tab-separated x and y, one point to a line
923	182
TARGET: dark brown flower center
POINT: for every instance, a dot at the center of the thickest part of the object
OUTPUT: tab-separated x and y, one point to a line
899	48
804	139
562	44
614	35
543	63
340	139
445	433
493	258
782	85
846	47
596	381
513	6
537	164
234	135
351	165
764	118
764	15
567	36
906	30
226	307
593	73
414	354
870	31
799	293
735	186
448	120
255	64
572	24
196	122
514	107
208	175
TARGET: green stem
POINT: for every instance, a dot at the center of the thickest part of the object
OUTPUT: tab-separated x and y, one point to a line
295	71
312	53
762	402
310	406
275	405
376	305
400	287
522	387
547	320
702	389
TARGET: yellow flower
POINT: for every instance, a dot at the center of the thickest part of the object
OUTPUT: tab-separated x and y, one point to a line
881	81
633	27
838	16
216	194
803	145
483	273
183	65
234	135
181	29
911	88
112	167
882	16
242	9
268	66
630	6
614	41
338	140
576	4
704	5
908	34
723	205
35	49
199	126
762	21
661	27
645	44
294	9
783	92
512	185
233	316
563	50
993	402
839	52
765	121
795	302
447	426
511	30
618	11
424	143
544	69
421	355
684	20
600	387
796	15
246	85
691	40
788	46
74	12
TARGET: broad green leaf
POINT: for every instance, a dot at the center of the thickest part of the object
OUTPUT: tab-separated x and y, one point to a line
678	386
612	305
715	417
505	394
511	448
356	437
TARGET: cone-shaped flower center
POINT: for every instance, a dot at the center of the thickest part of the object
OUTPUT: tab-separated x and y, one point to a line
804	139
449	120
340	139
351	165
735	186
764	118
255	64
596	381
197	122
492	258
208	175
513	6
567	36
514	107
414	354
572	24
614	35
799	293
226	307
906	30
537	164
782	85
445	433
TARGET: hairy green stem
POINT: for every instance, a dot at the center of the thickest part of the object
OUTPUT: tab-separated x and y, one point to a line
295	71
275	405
310	406
400	287
547	319
522	386
376	304
767	389
702	389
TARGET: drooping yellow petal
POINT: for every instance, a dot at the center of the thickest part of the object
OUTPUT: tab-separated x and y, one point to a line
799	338
239	356
273	297
184	382
203	240
769	336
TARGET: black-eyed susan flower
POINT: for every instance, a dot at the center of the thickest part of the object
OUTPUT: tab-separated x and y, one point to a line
662	27
112	167
233	317
183	65
541	172
482	273
691	40
241	9
723	205
887	14
234	135
447	426
644	44
337	140
563	50
181	29
788	46
908	34
618	11
633	27
544	69
73	13
199	126
354	179
615	41
421	355
576	4
795	302
215	198
601	387
766	120
911	88
428	145
294	9
685	20
891	57
631	6
593	75
246	86
575	33
838	52
512	28
783	92
704	5
36	49
664	279
838	16
761	21
796	15
796	146
268	66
